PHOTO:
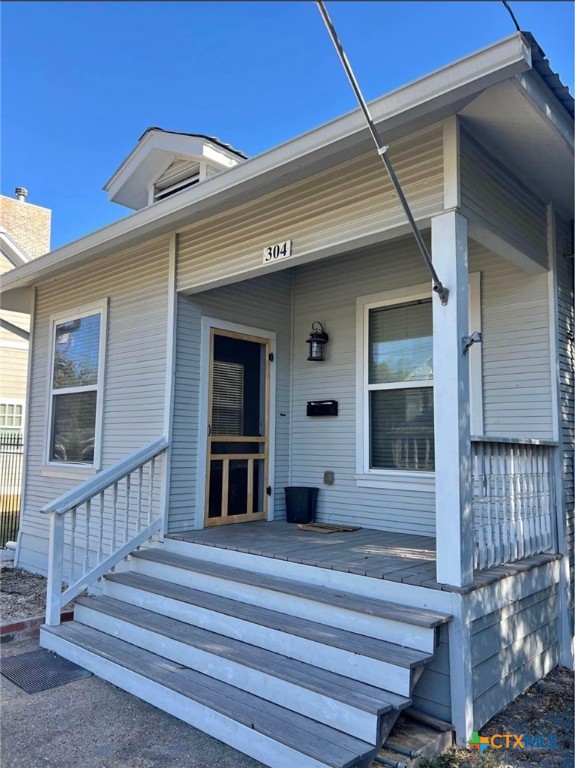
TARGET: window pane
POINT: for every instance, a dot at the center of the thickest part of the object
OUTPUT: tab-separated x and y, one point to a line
401	429
228	398
76	352
74	427
11	415
401	343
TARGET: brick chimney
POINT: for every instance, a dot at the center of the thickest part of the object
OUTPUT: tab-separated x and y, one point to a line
28	225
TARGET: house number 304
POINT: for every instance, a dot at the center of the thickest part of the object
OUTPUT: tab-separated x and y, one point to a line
277	251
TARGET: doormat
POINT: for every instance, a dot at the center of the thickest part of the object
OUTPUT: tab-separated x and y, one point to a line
326	528
40	670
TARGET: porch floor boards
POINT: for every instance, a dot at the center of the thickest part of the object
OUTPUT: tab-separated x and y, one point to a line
401	557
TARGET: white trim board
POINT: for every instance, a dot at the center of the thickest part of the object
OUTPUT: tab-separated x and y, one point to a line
396	479
170	383
207	324
93	308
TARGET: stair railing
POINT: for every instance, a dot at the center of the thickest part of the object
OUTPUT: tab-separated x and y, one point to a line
100	522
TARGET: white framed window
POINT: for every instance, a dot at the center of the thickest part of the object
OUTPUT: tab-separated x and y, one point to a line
394	381
75	386
11	417
395	359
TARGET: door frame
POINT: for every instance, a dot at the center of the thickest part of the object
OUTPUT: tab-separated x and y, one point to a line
207	325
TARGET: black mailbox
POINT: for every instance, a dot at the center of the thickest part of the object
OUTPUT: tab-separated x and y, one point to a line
322	408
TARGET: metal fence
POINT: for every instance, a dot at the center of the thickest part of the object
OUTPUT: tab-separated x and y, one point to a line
11	453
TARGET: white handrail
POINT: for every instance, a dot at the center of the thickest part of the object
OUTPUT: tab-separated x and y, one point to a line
93	530
103	480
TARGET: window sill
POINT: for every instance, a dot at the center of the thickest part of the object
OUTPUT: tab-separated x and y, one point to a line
398	481
69	472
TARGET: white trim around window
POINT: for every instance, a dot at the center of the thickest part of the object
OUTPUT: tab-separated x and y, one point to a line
77	313
12	411
366	476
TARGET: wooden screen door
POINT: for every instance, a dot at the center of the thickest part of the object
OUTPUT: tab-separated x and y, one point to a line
238	428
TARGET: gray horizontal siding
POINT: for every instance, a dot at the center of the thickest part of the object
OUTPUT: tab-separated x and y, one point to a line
135	283
264	303
351	200
432	694
566	352
327	291
511	649
515	350
492	195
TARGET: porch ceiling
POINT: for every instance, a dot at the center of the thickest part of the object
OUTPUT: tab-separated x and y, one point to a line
527	128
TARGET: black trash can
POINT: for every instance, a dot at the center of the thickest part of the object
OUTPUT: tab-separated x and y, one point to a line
300	504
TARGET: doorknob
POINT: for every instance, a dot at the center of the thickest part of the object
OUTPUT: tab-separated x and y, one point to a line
209	430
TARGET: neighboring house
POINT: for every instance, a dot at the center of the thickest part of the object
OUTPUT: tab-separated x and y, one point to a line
172	395
24	235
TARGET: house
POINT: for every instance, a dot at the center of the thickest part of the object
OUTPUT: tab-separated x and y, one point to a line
173	398
24	235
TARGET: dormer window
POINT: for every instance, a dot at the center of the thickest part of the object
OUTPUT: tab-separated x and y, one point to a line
164	163
180	175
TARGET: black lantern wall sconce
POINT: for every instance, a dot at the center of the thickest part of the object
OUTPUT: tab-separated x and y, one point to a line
317	339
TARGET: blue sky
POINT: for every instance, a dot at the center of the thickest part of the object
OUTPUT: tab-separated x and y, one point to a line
81	81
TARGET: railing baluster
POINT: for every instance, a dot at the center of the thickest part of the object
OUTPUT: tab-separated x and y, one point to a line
513	496
552	541
114	519
513	472
87	538
491	523
503	506
519	505
494	486
127	510
72	543
546	512
151	490
531	547
140	482
482	490
542	501
101	532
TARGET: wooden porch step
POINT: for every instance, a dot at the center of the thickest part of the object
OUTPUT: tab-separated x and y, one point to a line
339	638
266	731
339	701
421	617
331	648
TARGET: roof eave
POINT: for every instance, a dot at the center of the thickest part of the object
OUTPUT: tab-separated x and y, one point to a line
404	106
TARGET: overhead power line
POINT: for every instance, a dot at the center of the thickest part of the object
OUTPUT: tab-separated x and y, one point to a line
438	286
506	4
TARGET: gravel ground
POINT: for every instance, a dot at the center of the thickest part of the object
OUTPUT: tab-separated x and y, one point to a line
92	724
22	594
546	708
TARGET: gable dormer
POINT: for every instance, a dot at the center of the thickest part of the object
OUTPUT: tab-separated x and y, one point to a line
164	163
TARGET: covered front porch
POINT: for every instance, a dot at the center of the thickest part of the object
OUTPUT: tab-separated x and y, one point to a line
470	470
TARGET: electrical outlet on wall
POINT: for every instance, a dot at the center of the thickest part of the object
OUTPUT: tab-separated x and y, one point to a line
328	477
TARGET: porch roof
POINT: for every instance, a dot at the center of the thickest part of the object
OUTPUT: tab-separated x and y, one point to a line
410	108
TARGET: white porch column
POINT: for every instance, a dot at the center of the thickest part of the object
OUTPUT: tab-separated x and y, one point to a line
453	484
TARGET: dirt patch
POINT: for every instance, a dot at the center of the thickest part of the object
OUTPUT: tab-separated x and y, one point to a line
544	710
22	594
